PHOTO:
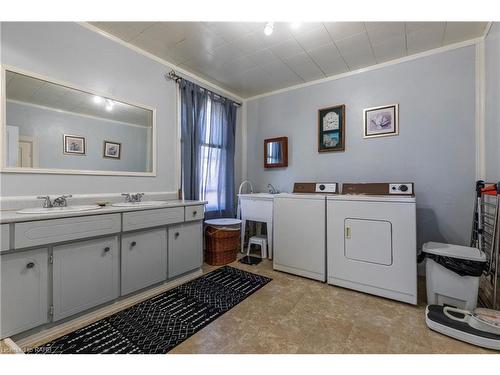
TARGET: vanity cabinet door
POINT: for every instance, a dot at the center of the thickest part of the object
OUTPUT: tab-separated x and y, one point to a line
24	291
185	252
85	274
144	259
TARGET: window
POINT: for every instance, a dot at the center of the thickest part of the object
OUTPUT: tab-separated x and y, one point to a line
211	157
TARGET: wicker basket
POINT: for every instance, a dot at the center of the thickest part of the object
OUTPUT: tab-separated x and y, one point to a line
221	244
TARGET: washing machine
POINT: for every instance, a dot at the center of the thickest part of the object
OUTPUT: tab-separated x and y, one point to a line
371	240
299	230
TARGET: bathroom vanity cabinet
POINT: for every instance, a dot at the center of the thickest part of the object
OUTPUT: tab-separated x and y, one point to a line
55	268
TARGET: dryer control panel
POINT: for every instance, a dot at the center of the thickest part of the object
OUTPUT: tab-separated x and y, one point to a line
316	187
401	189
391	188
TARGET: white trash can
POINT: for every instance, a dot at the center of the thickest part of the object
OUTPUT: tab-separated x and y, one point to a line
447	287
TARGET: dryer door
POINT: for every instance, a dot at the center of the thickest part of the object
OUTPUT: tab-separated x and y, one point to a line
368	240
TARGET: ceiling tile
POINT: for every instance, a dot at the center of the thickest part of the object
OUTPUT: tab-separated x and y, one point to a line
390	49
281	33
237	66
383	31
287	49
419	26
357	44
230	31
281	75
304	67
262	57
424	39
359	60
250	42
459	31
124	30
342	30
228	52
313	38
328	59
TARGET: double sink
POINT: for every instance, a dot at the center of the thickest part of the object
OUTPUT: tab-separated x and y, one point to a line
89	207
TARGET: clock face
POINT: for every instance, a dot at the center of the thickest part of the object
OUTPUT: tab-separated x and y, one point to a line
331	121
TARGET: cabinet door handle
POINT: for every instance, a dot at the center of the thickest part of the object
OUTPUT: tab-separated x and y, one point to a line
347	232
194	213
106	249
30	265
176	234
133	243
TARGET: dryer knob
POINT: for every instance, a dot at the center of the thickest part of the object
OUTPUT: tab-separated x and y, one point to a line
403	188
321	187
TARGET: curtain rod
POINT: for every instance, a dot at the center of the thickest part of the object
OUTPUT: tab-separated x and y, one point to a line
173	76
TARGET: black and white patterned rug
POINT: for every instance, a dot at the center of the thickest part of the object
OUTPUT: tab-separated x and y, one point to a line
162	322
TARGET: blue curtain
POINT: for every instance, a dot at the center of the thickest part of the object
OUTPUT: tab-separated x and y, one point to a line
208	123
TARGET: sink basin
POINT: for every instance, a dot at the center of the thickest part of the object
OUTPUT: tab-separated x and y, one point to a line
258	195
139	204
42	210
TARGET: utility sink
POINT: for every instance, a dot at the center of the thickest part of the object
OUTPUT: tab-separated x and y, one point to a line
50	210
139	204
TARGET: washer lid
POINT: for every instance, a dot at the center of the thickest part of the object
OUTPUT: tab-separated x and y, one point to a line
222	222
454	251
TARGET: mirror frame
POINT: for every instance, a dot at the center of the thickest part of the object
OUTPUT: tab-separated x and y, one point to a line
284	163
3	120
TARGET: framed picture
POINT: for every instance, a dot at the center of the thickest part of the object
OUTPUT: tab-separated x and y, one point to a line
381	121
74	145
112	150
331	129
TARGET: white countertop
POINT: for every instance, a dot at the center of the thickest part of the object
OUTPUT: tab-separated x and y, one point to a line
11	216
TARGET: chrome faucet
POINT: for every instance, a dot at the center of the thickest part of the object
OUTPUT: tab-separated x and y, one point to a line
61	201
133	198
272	189
47	203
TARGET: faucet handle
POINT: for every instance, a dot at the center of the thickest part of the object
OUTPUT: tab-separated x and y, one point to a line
61	201
127	196
46	203
139	197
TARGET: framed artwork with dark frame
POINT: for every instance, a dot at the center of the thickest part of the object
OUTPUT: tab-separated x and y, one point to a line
112	150
331	129
381	121
74	145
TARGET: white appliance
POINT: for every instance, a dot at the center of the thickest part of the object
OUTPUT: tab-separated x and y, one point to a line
371	241
299	234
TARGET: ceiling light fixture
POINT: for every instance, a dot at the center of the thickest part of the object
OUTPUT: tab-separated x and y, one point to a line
268	30
97	99
295	25
109	105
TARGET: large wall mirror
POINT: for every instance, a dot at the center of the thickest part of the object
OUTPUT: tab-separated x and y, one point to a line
50	127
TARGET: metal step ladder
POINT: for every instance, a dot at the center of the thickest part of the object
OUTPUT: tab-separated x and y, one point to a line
486	237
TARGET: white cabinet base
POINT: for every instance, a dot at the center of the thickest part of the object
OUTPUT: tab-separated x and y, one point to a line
144	259
184	248
85	275
24	292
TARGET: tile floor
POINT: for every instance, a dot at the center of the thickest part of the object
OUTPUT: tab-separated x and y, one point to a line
292	314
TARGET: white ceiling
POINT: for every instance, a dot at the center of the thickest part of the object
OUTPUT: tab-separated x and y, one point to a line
238	56
31	90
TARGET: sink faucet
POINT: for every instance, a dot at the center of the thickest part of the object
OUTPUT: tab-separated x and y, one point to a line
272	189
133	198
61	201
47	203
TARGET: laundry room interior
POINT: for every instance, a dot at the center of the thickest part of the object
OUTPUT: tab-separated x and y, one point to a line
272	185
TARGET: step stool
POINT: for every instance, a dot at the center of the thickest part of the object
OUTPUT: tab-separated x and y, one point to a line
261	241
